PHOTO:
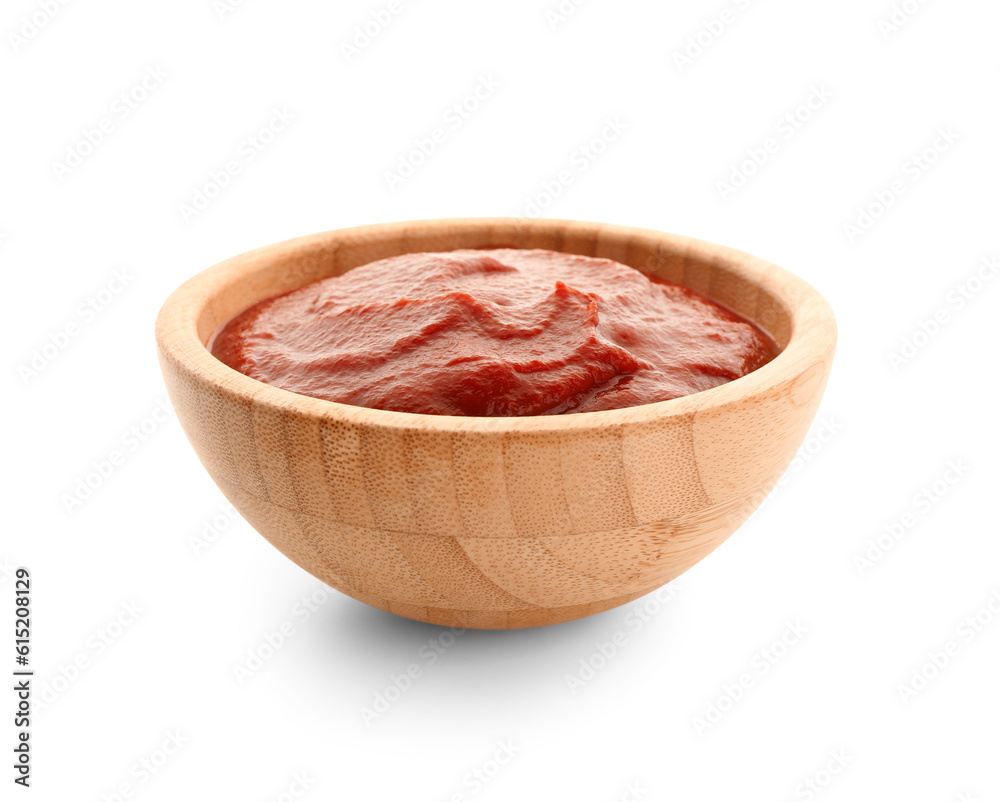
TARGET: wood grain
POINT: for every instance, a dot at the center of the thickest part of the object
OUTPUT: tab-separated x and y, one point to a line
497	523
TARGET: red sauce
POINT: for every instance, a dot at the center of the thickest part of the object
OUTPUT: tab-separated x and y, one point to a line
492	333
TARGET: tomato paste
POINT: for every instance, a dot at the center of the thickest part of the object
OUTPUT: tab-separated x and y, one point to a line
492	333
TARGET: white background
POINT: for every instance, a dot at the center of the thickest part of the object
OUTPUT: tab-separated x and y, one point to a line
834	700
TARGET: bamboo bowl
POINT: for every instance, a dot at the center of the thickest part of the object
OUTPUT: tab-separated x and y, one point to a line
497	523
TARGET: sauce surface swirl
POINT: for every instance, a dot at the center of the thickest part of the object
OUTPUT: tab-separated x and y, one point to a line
492	333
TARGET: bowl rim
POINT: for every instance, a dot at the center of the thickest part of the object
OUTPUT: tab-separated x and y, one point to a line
811	339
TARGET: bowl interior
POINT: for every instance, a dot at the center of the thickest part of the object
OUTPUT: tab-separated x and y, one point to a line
734	279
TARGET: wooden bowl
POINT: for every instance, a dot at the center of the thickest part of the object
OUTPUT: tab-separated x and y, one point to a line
497	523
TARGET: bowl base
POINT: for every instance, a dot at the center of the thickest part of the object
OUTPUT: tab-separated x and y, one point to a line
495	619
